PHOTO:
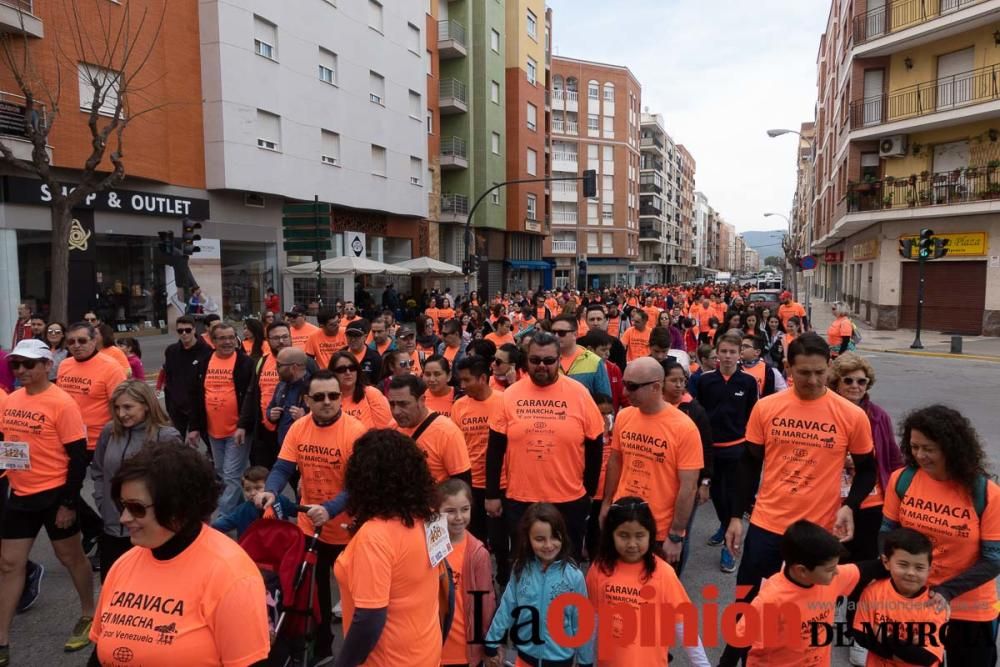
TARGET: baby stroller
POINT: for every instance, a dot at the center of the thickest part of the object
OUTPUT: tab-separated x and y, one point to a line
288	566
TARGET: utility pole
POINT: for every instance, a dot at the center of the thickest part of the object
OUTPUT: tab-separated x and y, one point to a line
317	252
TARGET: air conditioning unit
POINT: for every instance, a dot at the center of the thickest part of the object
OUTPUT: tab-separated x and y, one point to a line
894	146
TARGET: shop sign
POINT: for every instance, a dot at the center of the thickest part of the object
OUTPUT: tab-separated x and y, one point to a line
833	257
12	119
19	190
354	244
967	244
865	250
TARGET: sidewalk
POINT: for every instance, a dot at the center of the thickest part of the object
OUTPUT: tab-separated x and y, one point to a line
936	344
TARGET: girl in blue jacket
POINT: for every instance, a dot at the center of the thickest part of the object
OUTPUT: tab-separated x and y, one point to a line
543	570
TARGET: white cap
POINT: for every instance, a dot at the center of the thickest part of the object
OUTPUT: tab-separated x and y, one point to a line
32	348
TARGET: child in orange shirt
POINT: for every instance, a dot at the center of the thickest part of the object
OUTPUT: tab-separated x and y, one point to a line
472	571
626	571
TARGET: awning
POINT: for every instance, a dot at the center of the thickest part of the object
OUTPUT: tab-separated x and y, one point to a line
529	264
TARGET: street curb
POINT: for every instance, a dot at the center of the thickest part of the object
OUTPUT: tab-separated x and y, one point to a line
940	355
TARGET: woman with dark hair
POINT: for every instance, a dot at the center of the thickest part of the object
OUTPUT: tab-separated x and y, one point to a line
774	344
360	400
198	595
427	339
946	493
106	345
752	324
133	352
254	340
440	395
55	337
388	585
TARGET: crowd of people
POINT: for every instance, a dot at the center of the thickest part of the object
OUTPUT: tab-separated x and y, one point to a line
459	477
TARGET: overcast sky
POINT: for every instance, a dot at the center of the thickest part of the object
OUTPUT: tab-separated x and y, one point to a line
722	72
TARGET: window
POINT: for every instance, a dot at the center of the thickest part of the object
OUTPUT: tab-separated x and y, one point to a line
532	25
496	143
608	214
413	39
592	213
378	160
532	207
99	82
592	156
416	170
327	66
430	63
331	148
609	153
609	92
607	244
268	130
609	126
532	117
376	88
495	92
593	121
593	90
495	197
532	162
532	71
495	41
265	38
375	15
592	246
415	105
430	121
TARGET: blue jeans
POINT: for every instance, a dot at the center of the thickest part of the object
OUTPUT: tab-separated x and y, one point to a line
230	462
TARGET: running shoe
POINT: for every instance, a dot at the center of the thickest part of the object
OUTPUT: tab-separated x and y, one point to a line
338	610
727	563
80	638
718	537
4	656
32	586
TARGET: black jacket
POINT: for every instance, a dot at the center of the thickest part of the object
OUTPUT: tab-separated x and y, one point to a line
182	369
371	365
728	403
243	376
698	415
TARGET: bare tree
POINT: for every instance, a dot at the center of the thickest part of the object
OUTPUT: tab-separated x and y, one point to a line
110	60
791	251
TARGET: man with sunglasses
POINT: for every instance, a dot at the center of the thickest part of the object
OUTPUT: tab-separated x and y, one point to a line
44	424
183	363
288	399
369	359
656	454
505	367
406	341
552	435
577	362
301	329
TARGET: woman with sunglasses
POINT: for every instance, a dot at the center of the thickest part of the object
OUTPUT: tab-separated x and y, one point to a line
137	420
199	596
55	336
394	364
852	377
359	399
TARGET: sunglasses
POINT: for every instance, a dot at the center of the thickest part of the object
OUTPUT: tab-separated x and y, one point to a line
340	370
404	363
136	509
184	330
27	364
861	382
90	319
562	332
53	331
319	396
78	341
636	386
543	361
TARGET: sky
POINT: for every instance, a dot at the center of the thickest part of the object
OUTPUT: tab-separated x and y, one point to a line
721	72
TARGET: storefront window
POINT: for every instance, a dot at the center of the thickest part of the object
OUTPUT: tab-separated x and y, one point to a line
248	269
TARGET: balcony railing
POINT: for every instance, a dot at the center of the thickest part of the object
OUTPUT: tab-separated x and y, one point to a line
454	147
452	204
961	186
564	247
951	92
447	31
12	110
646	209
564	127
896	16
22	5
651	141
564	217
453	95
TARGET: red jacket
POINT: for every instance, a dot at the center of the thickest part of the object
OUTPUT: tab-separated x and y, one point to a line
477	575
615	379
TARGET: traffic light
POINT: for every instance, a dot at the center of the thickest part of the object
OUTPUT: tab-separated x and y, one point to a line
590	183
166	242
191	235
926	243
466	267
940	248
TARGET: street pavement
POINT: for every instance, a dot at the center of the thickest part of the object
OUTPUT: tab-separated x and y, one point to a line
903	383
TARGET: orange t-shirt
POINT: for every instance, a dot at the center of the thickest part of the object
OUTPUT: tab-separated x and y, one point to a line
815	603
268	382
636	343
415	367
115	353
759	373
322	347
440	404
473	418
202	608
433	314
47	422
654	448
839	328
373	410
321	454
787	312
805	445
386	565
654	315
881	603
455	651
944	512
498	340
221	409
622	587
301	335
91	384
450	353
545	429
265	349
444	446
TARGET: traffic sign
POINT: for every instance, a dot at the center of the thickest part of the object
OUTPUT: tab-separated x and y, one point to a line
807	263
307	246
301	210
304	233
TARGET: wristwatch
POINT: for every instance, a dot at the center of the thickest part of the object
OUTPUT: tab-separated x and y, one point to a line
706	482
675	538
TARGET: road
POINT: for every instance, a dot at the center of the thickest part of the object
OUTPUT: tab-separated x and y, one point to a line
902	383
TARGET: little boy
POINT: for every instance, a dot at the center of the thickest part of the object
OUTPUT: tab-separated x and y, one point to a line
890	610
247	512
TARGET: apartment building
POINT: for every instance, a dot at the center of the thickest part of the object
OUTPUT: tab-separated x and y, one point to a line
658	204
699	233
751	260
596	121
727	246
686	167
906	139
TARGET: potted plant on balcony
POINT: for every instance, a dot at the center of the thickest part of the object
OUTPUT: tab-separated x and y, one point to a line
889	180
911	199
955	175
913	179
971	172
887	200
925	196
924	175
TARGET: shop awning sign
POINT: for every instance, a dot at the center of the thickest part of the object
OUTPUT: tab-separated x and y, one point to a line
19	190
965	244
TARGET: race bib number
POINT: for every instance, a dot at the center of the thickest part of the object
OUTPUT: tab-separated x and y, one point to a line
438	542
14	456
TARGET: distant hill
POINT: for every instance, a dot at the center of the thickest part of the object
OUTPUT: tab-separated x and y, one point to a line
765	243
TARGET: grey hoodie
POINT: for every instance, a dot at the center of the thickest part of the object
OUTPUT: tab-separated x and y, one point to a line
109	455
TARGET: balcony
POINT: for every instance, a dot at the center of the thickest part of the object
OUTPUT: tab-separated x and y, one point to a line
564	217
453	98
961	186
647	184
16	16
454	208
564	247
651	142
454	154
649	209
12	130
565	127
564	162
960	98
564	191
451	40
903	24
565	100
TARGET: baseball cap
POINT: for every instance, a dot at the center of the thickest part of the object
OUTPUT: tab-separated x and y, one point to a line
355	329
296	311
405	330
786	295
31	348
